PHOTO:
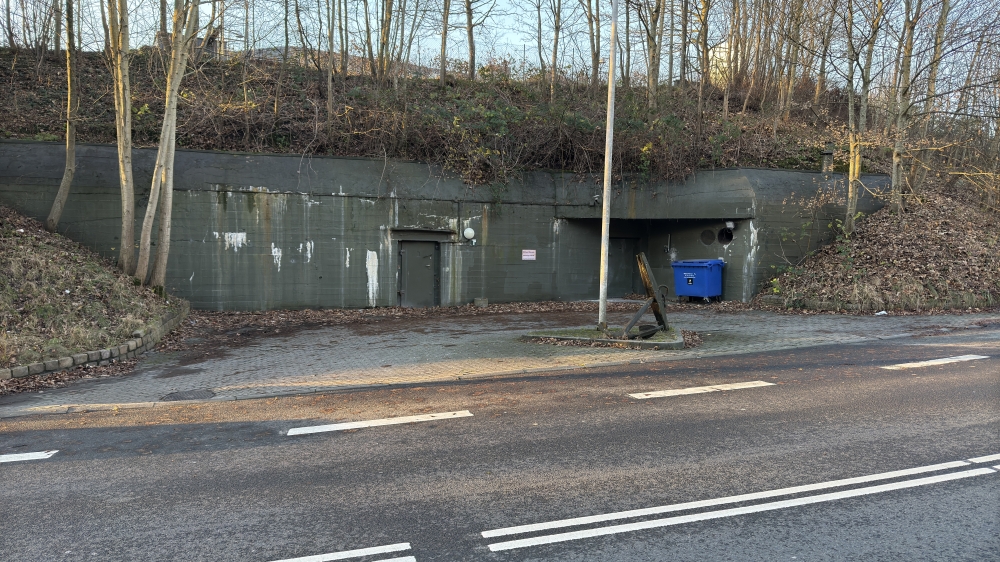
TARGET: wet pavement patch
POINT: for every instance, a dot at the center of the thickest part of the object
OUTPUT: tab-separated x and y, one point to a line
188	395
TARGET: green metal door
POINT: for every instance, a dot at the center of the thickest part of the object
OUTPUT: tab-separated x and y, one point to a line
419	274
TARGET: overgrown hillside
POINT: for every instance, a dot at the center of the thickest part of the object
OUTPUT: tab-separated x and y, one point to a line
939	253
486	130
942	253
58	298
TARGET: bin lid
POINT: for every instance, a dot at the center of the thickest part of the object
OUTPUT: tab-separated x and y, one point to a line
696	263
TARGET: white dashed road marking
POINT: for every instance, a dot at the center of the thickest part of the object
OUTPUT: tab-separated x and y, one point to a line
27	456
987	458
376	423
721	501
700	389
932	362
769	506
356	553
704	516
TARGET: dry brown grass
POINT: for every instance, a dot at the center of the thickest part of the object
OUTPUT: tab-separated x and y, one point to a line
58	298
943	252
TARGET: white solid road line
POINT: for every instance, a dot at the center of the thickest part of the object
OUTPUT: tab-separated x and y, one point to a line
400	559
700	389
670	521
721	501
944	361
375	423
987	458
354	553
27	456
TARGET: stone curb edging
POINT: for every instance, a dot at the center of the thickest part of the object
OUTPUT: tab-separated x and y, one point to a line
676	343
141	342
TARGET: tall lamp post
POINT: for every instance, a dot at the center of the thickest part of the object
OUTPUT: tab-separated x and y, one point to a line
602	315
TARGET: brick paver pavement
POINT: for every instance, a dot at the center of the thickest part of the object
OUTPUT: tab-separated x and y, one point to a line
450	348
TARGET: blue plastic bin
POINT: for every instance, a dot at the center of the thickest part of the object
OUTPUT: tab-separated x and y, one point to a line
698	278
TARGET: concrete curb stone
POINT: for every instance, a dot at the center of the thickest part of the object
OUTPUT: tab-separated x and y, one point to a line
141	342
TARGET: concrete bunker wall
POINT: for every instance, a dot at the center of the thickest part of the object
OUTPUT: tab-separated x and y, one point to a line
257	231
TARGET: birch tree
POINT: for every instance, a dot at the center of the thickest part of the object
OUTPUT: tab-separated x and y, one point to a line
185	27
118	49
72	105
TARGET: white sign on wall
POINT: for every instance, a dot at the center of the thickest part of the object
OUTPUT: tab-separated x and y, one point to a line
528	255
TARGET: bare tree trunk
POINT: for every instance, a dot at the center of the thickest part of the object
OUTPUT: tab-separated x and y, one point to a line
912	15
935	64
10	26
592	13
556	6
650	17
71	109
824	53
853	173
343	43
684	42
368	41
795	40
185	27
538	39
469	25
58	16
627	65
118	46
105	26
329	71
383	44
159	275
283	65
444	41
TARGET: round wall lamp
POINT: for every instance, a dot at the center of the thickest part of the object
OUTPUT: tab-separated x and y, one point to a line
469	233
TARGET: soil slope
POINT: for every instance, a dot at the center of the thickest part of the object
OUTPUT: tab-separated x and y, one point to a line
58	298
943	252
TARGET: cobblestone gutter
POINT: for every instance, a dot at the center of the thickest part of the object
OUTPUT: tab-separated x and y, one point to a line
141	342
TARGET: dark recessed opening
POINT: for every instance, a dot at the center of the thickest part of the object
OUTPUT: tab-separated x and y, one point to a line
707	237
725	236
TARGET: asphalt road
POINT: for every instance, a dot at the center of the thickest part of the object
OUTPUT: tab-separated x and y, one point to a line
225	481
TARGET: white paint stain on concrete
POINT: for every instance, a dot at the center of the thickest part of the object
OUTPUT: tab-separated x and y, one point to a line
276	254
307	248
371	263
347	261
234	240
750	263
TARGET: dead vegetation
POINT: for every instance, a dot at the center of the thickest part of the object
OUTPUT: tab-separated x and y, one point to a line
943	252
488	131
58	298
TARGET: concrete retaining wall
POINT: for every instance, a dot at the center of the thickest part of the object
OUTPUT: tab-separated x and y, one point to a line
255	232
